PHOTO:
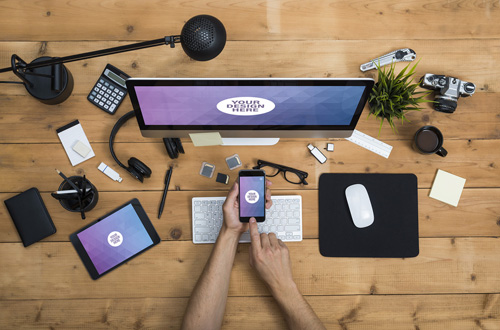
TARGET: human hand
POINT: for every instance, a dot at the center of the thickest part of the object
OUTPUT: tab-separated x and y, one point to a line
231	209
269	256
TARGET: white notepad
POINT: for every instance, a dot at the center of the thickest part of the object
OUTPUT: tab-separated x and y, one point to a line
69	135
447	188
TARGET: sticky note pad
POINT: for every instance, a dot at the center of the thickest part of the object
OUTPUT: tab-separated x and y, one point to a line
206	139
447	188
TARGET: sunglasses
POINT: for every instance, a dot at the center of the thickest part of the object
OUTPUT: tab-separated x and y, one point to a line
290	174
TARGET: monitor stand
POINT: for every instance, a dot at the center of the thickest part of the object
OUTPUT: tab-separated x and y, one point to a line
249	141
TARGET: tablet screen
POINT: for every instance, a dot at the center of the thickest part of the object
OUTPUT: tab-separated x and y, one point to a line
115	239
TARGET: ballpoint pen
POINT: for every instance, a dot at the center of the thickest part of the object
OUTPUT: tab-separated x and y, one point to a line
167	182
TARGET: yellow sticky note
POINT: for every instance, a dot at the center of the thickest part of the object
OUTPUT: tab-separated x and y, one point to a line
447	188
206	139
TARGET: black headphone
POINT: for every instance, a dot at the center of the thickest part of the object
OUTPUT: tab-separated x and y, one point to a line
136	168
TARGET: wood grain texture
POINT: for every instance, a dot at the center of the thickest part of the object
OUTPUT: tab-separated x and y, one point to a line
35	163
171	269
305	58
268	20
21	123
453	284
337	312
477	214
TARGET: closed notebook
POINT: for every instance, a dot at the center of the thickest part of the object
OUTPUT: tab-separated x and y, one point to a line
30	216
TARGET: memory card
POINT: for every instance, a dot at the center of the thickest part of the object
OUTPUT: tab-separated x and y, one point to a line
233	161
207	169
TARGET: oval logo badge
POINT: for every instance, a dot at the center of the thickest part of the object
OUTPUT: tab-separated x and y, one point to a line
245	106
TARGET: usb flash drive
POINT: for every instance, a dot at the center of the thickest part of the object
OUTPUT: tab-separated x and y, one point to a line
109	172
317	154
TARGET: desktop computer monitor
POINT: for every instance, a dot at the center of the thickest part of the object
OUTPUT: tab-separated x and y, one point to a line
249	108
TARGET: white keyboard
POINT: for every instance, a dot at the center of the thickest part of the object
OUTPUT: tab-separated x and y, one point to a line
284	219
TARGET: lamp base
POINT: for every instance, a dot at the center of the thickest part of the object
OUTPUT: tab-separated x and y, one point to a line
48	88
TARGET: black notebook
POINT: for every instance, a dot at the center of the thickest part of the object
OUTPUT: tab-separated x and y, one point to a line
30	216
394	232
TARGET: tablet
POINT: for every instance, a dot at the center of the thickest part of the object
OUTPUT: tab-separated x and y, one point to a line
114	239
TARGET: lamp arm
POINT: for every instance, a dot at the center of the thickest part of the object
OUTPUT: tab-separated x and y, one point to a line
171	40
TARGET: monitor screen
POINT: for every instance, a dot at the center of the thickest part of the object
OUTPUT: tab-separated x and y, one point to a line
248	104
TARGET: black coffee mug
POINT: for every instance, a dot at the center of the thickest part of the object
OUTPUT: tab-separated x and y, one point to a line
429	140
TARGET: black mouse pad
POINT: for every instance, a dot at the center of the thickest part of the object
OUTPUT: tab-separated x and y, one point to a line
394	232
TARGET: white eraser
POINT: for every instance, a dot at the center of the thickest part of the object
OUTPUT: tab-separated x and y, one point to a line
109	172
81	149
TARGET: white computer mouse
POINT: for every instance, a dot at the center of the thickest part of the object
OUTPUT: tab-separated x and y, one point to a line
359	205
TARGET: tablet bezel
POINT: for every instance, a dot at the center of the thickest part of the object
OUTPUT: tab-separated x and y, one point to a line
82	253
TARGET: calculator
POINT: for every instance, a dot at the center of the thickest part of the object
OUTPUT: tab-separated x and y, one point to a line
109	90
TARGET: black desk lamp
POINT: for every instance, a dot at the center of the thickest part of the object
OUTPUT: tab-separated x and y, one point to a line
203	37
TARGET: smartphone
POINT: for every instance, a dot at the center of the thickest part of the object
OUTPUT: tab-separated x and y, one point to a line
252	197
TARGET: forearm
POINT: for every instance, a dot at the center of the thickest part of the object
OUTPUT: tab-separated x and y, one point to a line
298	313
208	301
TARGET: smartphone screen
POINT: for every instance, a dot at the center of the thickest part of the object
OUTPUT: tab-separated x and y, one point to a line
252	197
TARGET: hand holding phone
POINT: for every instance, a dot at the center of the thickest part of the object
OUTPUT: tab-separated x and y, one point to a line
252	195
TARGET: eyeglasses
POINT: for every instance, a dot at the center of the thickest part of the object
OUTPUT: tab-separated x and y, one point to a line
291	175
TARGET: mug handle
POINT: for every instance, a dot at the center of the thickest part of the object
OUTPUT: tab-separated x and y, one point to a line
442	152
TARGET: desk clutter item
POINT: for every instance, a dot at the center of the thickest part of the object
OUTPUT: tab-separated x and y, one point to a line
82	200
222	178
316	153
30	216
404	54
109	90
449	88
206	139
370	143
207	170
447	188
233	162
71	136
112	174
429	140
284	218
394	231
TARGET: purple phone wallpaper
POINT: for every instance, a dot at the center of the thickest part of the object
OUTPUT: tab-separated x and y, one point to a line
252	196
248	105
115	239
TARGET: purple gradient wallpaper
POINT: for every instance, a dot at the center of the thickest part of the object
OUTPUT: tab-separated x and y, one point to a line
284	105
252	196
115	239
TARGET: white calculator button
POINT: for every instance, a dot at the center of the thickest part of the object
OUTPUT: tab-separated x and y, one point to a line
109	91
113	94
116	90
96	89
106	106
101	92
96	101
108	102
121	93
118	97
115	101
99	85
101	104
98	96
112	107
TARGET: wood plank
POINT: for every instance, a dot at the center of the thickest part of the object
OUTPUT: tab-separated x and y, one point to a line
25	120
476	215
269	20
332	58
462	311
54	271
35	163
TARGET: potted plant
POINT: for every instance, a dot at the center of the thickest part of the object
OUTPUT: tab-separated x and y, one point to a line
393	96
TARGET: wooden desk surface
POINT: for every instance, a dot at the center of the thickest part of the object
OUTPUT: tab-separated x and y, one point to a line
453	284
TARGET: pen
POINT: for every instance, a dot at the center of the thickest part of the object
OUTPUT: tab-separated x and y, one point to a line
73	191
74	187
167	182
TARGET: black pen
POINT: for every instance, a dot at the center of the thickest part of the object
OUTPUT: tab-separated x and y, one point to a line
74	187
167	182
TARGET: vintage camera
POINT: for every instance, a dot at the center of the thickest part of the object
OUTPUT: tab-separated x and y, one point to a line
450	89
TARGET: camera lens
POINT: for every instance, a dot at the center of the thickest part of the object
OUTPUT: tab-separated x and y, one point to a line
443	105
